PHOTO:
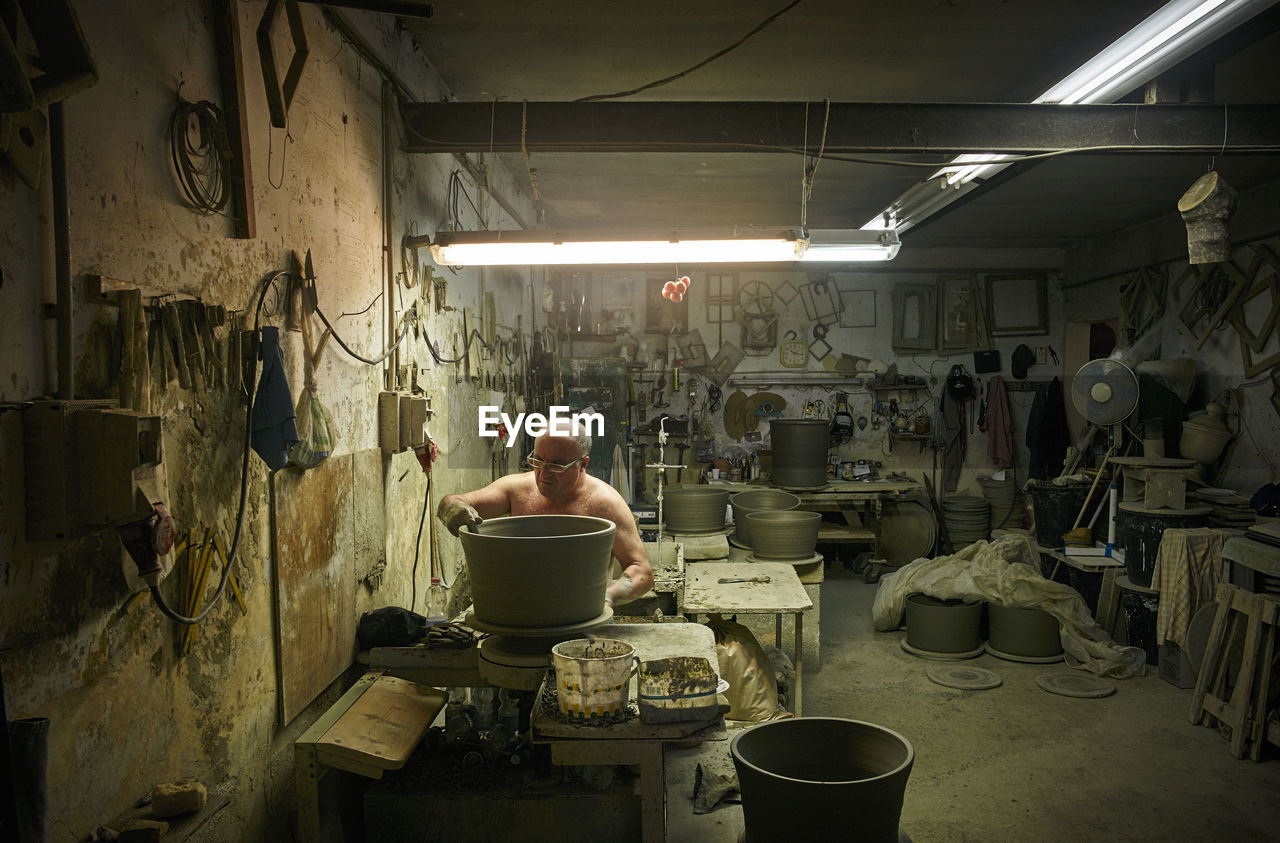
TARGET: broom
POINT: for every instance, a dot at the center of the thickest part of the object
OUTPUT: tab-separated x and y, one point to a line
1079	536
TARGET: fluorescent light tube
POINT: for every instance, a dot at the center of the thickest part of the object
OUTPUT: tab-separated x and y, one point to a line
519	248
839	245
1169	35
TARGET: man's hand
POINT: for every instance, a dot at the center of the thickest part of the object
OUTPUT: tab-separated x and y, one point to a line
619	591
455	514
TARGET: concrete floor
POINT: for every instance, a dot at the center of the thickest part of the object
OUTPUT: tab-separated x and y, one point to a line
1015	762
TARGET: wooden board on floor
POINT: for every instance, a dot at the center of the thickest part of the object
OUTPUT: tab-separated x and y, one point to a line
314	533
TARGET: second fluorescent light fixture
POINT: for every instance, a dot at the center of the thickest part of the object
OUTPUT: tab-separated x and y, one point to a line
1172	33
521	248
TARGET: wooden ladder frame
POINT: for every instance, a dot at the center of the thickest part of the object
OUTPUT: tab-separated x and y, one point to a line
1244	710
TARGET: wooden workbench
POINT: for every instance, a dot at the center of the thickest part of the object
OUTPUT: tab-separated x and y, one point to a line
704	593
859	502
634	742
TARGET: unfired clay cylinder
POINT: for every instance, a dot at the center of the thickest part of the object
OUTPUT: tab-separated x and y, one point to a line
539	571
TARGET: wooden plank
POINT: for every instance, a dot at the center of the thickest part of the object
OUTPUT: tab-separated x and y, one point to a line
1213	652
382	728
831	532
228	51
314	551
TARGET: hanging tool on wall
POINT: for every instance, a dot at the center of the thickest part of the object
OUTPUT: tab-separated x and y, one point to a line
172	335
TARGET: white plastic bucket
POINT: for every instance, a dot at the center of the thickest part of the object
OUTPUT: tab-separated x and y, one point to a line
592	677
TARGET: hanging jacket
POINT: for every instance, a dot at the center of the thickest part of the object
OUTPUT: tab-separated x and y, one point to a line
999	424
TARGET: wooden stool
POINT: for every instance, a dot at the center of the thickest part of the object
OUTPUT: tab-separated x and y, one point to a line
1245	710
374	727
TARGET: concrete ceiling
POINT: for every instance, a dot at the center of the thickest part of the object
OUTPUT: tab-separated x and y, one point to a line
917	52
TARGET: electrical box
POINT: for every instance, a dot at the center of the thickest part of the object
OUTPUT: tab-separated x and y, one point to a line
89	465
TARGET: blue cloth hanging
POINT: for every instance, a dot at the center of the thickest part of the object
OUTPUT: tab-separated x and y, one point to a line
274	428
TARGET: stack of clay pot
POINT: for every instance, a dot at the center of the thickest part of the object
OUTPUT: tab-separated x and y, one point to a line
757	500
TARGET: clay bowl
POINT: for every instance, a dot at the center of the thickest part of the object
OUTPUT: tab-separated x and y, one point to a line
539	571
784	535
698	510
757	500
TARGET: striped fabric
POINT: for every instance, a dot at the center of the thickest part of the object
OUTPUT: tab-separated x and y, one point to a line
1187	569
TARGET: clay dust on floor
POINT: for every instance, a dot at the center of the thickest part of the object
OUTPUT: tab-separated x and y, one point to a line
1015	762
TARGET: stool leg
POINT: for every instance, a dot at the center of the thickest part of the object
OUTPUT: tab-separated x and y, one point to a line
1213	652
1266	660
1242	695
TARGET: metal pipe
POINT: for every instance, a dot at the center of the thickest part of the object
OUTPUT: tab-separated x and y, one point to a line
388	232
62	252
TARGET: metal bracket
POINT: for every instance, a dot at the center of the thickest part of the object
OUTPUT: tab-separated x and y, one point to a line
280	97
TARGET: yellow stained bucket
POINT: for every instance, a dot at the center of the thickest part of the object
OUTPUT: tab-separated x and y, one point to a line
592	677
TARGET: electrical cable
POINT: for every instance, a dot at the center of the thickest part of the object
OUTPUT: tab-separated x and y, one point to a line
404	332
201	159
417	545
735	45
156	596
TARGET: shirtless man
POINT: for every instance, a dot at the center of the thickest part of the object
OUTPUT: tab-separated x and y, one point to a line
559	485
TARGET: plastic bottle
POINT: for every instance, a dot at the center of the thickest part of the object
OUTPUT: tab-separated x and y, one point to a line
482	699
457	717
508	712
437	600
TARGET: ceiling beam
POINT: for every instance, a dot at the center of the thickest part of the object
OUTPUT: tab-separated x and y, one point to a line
949	128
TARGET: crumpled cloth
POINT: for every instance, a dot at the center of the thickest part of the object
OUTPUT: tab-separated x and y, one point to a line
1006	571
275	430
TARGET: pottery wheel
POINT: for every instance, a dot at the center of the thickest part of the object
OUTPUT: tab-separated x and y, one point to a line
1073	683
1014	657
808	560
518	652
733	540
538	631
936	656
963	677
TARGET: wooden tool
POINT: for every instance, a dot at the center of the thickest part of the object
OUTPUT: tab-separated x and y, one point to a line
1087	498
724	580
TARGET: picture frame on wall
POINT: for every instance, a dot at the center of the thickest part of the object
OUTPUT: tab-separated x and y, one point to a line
858	308
1018	304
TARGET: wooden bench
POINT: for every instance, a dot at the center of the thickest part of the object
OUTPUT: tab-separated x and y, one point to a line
374	727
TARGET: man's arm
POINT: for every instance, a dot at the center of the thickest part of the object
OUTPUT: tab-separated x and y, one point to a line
628	549
471	508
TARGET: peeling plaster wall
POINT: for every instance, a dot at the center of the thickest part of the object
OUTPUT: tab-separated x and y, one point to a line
77	643
1096	273
624	293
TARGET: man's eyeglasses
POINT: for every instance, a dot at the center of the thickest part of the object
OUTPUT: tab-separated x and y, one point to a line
554	467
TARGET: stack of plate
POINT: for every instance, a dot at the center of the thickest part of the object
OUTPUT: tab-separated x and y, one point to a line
1230	508
968	519
1008	509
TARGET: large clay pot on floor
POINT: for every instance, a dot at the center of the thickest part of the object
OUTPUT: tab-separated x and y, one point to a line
821	778
539	571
